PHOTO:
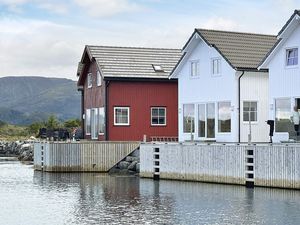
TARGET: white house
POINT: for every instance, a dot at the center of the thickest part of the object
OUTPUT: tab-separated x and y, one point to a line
219	87
284	77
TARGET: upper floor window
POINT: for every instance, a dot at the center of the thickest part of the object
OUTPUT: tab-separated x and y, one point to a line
99	81
195	68
121	116
90	80
249	111
216	66
158	116
292	57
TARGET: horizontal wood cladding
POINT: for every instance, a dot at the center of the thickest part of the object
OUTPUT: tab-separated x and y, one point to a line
140	97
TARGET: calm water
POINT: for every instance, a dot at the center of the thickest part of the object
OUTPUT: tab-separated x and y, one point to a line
28	197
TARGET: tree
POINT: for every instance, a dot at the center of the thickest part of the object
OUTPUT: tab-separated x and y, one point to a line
52	122
35	127
72	123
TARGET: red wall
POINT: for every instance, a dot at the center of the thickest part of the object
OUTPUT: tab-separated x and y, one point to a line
140	97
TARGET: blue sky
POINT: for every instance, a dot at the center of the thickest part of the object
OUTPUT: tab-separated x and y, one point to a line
47	37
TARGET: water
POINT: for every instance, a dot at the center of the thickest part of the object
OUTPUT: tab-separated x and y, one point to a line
35	198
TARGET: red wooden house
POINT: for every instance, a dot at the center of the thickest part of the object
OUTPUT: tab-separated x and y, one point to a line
126	93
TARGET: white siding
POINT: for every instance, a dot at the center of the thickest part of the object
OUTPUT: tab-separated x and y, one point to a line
254	87
284	81
207	88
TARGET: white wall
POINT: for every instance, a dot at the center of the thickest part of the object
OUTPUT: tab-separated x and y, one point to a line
255	87
207	88
284	81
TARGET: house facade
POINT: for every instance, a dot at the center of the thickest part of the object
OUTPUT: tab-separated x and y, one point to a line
284	78
127	94
220	88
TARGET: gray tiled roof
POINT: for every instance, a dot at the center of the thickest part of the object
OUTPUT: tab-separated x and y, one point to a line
134	62
241	50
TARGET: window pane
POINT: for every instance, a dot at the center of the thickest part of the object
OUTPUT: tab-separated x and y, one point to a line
162	112
210	120
154	112
224	117
188	118
246	116
201	120
161	120
282	115
155	120
121	116
88	121
246	106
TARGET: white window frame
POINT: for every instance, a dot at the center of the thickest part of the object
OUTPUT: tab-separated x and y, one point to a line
286	57
99	114
252	122
122	124
99	79
218	59
87	115
158	108
197	74
90	80
218	118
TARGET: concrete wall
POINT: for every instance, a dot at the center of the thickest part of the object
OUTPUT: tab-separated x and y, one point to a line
272	166
80	157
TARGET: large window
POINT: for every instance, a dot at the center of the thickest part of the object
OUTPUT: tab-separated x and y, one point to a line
216	66
101	121
188	118
206	120
194	68
292	57
158	116
224	117
249	111
99	80
282	115
121	116
90	80
88	121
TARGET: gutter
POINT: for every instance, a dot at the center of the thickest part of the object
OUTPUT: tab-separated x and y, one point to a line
239	103
106	110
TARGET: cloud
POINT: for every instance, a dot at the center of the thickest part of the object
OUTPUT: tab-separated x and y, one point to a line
57	8
106	8
219	23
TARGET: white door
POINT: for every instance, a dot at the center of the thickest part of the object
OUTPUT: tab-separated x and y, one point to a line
206	121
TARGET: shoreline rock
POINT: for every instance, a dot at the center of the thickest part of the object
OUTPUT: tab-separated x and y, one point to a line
21	149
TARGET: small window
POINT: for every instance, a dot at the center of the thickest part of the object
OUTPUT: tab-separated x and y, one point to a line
99	80
216	66
224	117
292	57
90	80
121	116
249	111
157	68
194	68
158	116
188	118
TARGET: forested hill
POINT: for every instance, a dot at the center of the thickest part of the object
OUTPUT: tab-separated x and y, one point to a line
24	100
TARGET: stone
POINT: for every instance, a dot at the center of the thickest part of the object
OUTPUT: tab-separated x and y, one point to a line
132	166
123	165
137	167
131	159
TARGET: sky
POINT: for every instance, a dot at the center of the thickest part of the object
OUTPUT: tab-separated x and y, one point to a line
47	37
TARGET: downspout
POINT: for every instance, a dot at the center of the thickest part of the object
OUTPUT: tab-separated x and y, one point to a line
106	110
239	103
82	113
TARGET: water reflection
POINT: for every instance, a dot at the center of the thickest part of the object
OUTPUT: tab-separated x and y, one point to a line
90	198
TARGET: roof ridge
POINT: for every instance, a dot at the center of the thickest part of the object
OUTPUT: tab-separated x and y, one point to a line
236	32
132	47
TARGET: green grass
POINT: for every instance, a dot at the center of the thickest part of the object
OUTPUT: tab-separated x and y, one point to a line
12	132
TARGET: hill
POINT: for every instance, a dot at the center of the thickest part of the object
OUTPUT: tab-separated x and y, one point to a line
24	100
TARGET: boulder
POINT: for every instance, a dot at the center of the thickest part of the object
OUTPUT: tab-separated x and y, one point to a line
123	165
131	159
132	166
137	167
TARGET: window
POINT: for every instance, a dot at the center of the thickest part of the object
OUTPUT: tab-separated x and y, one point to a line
216	66
88	121
292	57
224	117
206	120
158	116
99	80
188	118
121	116
194	68
282	115
101	120
249	111
157	68
90	80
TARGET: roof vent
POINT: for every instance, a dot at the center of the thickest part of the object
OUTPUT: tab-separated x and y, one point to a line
158	68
